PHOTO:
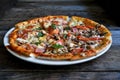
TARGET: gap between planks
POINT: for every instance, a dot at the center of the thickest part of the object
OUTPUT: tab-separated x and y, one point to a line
24	70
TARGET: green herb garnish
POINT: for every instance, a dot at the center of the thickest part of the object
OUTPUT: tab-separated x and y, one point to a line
40	34
67	28
64	36
57	46
53	26
36	43
39	28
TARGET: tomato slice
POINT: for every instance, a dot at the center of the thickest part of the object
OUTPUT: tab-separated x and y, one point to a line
69	34
53	31
56	22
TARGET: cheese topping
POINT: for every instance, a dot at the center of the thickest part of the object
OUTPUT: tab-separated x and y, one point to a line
60	36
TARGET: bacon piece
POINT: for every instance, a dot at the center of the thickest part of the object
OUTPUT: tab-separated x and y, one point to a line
82	27
95	38
61	42
39	50
77	50
82	38
87	39
91	27
29	27
53	31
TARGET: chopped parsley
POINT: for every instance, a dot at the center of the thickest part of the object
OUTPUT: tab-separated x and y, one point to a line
57	46
67	28
64	36
36	43
39	28
53	26
40	34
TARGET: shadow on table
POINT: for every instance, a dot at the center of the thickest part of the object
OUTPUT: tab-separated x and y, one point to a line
111	7
5	5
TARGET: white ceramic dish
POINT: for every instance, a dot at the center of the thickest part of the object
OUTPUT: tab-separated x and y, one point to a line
50	62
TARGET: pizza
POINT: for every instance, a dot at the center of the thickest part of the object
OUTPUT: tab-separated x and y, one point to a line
59	38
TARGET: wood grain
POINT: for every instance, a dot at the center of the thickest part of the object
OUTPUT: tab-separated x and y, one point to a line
56	75
106	67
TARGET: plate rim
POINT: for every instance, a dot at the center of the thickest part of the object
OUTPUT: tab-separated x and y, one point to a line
51	62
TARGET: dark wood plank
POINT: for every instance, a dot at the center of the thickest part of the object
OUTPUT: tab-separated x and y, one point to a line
54	0
58	75
51	10
10	20
5	5
59	2
34	9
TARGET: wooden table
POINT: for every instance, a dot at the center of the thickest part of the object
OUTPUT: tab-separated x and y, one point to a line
106	67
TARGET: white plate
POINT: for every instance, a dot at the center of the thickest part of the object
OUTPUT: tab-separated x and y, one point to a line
50	62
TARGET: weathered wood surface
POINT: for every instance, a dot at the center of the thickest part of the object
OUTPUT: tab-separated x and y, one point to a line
59	75
106	67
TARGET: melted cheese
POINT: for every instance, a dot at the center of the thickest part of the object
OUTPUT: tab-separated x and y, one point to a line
22	27
22	40
41	47
95	45
70	43
47	24
72	24
80	23
32	55
31	37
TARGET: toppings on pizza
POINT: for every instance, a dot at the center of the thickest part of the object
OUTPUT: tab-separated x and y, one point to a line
59	37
